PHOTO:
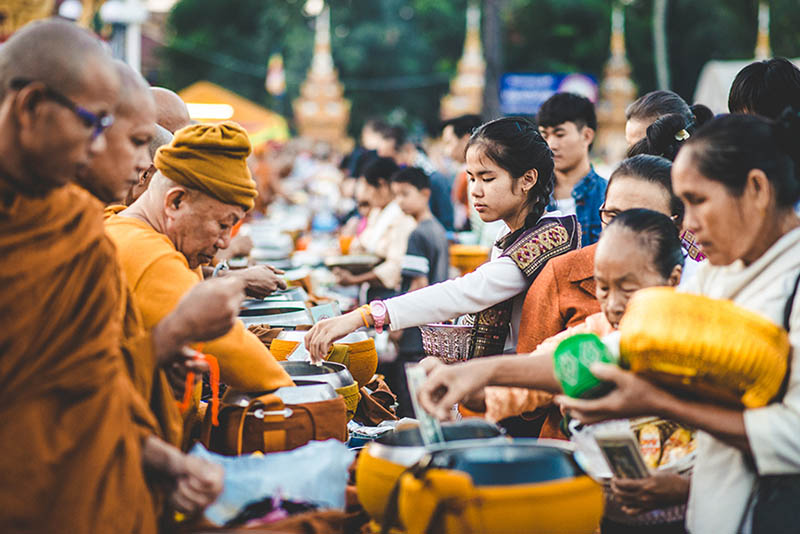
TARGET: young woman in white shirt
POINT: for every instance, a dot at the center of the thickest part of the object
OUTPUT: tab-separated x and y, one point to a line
510	171
739	178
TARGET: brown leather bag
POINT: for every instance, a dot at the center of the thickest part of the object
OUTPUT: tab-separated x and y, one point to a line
269	425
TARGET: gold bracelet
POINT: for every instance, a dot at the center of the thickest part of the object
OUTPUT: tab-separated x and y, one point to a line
364	315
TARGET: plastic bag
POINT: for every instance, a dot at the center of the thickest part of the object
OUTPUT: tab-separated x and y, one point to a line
316	473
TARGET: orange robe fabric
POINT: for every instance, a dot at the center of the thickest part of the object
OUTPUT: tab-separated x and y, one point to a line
563	295
72	422
158	276
149	380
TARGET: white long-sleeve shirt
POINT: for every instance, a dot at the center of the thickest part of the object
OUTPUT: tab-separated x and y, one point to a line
494	282
722	481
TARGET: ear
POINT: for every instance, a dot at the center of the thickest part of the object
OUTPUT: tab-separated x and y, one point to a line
24	105
759	190
588	135
174	200
675	276
529	180
426	192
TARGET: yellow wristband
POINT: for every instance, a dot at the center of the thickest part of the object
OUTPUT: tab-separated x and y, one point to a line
364	315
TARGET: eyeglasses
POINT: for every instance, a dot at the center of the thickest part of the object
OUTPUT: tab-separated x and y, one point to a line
97	122
606	216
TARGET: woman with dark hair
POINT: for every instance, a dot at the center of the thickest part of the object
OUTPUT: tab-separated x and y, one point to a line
647	109
510	170
669	123
563	295
739	178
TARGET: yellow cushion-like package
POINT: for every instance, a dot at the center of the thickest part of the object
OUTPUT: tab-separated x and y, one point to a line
351	395
707	347
361	359
446	502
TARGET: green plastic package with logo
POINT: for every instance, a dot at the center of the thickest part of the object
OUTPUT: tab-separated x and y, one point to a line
572	360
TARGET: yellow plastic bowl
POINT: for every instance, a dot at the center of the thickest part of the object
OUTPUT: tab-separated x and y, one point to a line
467	258
707	347
351	395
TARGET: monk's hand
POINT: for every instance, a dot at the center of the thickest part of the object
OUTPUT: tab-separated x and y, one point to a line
196	484
632	396
176	372
657	491
208	311
190	482
447	385
320	338
260	281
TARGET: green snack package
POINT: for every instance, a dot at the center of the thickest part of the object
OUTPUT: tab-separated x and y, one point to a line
572	360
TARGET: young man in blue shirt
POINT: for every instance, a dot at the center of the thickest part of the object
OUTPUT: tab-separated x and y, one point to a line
567	123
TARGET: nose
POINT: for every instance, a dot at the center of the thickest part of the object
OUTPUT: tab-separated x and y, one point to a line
143	160
476	189
224	240
690	220
616	303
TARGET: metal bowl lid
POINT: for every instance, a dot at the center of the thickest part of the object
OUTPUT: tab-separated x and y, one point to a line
303	391
332	373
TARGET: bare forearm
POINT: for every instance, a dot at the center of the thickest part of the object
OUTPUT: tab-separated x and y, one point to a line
533	371
167	339
725	424
367	278
159	456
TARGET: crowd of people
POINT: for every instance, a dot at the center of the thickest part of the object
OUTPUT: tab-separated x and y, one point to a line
115	206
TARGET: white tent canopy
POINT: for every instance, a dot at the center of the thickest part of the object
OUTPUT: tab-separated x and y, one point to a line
715	82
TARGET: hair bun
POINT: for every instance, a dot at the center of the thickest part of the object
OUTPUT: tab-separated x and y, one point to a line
702	114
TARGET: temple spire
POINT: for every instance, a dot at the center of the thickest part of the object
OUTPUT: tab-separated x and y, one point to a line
466	88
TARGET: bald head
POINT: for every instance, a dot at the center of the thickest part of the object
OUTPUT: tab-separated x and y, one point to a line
171	111
48	70
134	90
55	52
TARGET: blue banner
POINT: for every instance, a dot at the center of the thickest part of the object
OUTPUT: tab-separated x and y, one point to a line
523	93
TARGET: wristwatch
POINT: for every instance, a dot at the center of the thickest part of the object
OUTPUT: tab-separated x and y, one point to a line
378	310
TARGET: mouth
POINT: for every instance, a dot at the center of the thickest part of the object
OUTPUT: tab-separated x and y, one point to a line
205	258
480	207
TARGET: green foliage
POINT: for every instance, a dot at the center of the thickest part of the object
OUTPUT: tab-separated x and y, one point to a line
396	57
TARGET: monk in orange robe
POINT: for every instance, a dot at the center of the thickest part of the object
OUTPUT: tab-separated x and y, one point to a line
201	315
76	435
201	190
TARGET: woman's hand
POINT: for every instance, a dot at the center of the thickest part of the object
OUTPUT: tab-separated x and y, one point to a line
657	491
448	384
632	396
320	338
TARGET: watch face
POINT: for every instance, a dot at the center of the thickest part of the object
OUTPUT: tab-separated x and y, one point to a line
378	308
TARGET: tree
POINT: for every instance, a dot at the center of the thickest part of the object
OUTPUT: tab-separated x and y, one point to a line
396	57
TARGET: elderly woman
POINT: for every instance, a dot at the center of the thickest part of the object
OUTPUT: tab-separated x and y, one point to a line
739	180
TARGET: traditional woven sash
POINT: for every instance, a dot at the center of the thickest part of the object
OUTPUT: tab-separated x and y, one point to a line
530	249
